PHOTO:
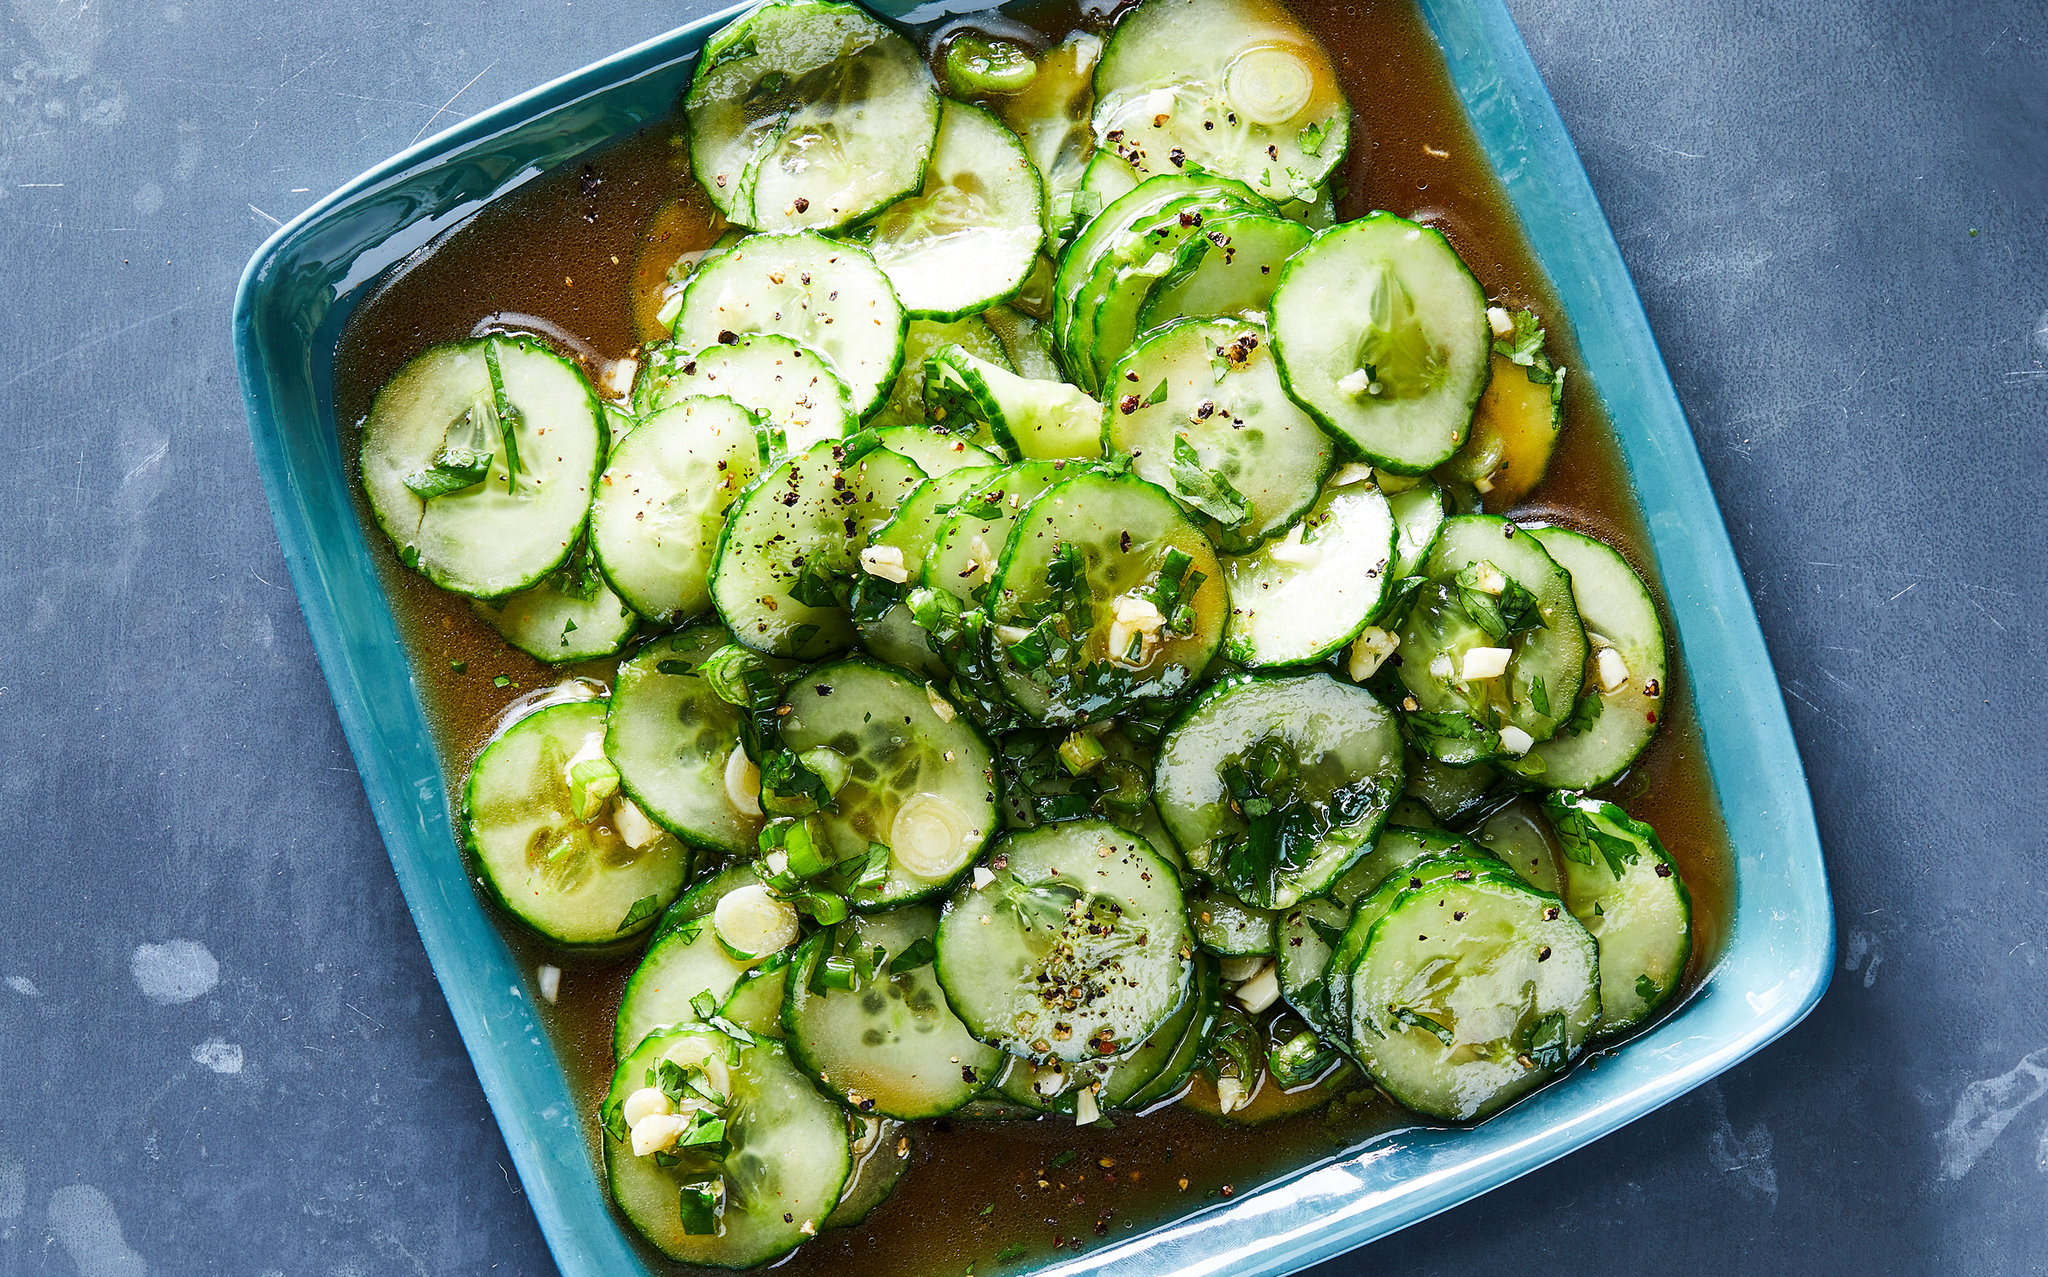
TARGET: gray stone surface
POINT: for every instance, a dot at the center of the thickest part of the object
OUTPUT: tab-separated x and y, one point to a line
221	1049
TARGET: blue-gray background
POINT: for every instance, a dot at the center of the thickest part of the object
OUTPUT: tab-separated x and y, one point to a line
221	1049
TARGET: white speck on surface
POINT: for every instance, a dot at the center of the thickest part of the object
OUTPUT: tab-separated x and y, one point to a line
83	1222
24	986
174	971
1985	1108
221	1057
1862	951
1748	1157
550	981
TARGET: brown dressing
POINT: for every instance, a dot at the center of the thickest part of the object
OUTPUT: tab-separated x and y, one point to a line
584	250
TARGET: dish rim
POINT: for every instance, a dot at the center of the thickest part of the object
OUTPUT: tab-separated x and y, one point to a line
1777	957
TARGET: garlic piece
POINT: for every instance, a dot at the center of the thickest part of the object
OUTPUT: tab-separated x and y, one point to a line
643	1102
656	1132
1497	319
1261	991
635	830
1482	663
1613	671
1516	741
885	562
742	782
549	979
1371	650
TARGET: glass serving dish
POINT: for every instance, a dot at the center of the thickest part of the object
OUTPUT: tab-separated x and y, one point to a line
299	291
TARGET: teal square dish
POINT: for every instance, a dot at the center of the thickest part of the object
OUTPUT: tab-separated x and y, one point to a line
299	291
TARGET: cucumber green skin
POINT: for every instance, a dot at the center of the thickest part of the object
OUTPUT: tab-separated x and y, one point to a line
720	829
1590	884
1557	651
1344	513
1451	793
593	640
1255	291
695	905
1520	835
1172	1078
771	1081
446	579
1393	929
1158	1069
873	1179
1339	850
755	1003
1228	926
580	954
1418	524
1417	459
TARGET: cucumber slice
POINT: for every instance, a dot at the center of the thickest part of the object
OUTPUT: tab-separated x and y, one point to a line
791	543
1157	1063
1405	859
809	114
1036	420
1492	996
1130	245
881	1153
920	778
1127	270
1026	341
1230	269
936	451
1322	759
824	293
792	388
885	624
922	337
670	735
1104	180
890	1045
1050	116
1381	334
662	499
1450	793
1077	948
1228	926
1118	596
787	1163
1307	936
970	236
1515	428
1460	719
447	418
1621	697
572	615
1200	411
1172	1078
755	1003
1622	885
1418	520
1525	843
1303	597
537	820
1236	86
684	962
966	544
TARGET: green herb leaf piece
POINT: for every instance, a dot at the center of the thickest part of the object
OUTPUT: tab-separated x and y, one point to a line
1205	490
643	909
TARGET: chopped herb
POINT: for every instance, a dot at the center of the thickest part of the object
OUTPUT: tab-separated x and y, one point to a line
700	1207
1205	490
1549	1046
1310	140
704	1005
1539	696
1646	988
1417	1020
643	909
1511	611
460	667
501	681
1065	1159
1158	394
1015	1250
1585	712
454	468
505	415
918	953
673	665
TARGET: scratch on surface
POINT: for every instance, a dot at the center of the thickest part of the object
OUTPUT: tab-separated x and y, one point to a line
1985	1108
94	342
1903	593
265	216
146	463
450	102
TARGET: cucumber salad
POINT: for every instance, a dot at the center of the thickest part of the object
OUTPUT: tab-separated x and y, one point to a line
1057	656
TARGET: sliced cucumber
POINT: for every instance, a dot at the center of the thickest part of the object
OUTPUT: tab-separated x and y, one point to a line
1035	420
1172	1077
1230	269
572	615
1105	179
898	550
1050	115
1160	1063
1453	795
1381	333
1118	596
808	113
970	236
1472	994
1487	578
1228	926
881	1153
1515	428
1077	948
1306	936
936	451
1026	341
794	389
537	818
684	962
1403	859
786	1162
1524	841
1274	786
1200	411
920	779
1621	697
518	429
1622	885
966	543
1303	597
671	736
662	498
921	338
755	1003
1418	520
785	560
1237	86
824	293
890	1045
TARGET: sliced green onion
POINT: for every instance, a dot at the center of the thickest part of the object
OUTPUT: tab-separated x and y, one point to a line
1082	753
592	782
831	767
978	64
